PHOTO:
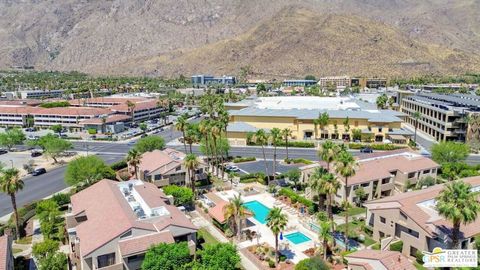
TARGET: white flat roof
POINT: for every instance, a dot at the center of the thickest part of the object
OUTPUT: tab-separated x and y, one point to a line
306	102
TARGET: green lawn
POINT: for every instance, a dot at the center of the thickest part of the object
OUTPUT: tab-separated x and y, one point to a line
209	239
419	266
368	241
376	246
354	211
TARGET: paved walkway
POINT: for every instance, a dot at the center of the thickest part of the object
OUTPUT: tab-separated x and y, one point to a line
201	222
341	219
37	237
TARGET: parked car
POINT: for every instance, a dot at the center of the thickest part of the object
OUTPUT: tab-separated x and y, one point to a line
36	154
63	136
3	151
366	150
232	169
39	171
30	129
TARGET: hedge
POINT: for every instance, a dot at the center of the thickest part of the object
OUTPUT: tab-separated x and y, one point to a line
298	160
121	164
294	197
385	147
301	144
397	246
243	159
253	177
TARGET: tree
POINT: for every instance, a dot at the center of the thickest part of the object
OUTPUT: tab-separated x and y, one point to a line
416	116
11	183
329	185
382	101
356	134
345	165
48	214
361	195
191	163
458	204
219	256
286	133
260	137
277	222
149	144
131	108
133	159
323	120
327	152
43	249
450	152
294	176
54	147
313	263
235	211
325	236
181	125
166	257
55	261
57	129
143	127
87	170
310	77
12	137
275	137
261	88
346	124
181	195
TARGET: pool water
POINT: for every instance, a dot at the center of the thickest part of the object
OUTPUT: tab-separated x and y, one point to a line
260	211
297	238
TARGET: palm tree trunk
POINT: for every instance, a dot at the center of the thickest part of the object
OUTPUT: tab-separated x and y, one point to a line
416	125
274	162
15	212
192	180
455	232
324	249
184	144
276	248
286	145
190	145
266	165
239	228
346	214
207	146
215	155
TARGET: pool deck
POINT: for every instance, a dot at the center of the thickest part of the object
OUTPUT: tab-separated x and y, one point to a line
294	252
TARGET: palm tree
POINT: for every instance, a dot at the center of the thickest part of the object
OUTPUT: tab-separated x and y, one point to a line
457	203
131	109
260	137
181	125
329	186
327	152
191	163
216	133
204	130
345	165
104	122
236	211
286	133
325	236
231	175
416	116
277	222
315	183
134	159
323	120
275	137
346	125
11	183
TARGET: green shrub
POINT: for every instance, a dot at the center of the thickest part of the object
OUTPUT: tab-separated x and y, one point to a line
397	246
294	197
121	164
300	144
92	131
253	177
181	195
271	264
419	256
61	198
376	146
376	246
243	159
298	160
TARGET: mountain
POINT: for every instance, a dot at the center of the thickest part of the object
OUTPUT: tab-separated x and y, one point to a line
149	37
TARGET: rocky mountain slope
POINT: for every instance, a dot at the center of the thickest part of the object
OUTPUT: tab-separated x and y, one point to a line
371	37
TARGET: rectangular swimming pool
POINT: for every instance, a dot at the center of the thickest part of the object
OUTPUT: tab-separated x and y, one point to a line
260	211
297	238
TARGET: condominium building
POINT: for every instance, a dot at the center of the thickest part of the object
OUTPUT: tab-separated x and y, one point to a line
299	82
369	259
209	79
336	81
6	254
140	111
112	224
443	117
412	218
165	167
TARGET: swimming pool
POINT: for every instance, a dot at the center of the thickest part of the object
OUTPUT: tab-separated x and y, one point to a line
259	210
297	238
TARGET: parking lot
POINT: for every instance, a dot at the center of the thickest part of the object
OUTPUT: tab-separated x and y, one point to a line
259	166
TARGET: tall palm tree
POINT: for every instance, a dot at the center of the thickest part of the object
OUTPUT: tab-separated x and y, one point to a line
323	120
327	152
416	116
458	204
325	236
286	133
275	137
260	137
204	130
131	108
345	165
216	133
277	222
329	185
134	159
11	183
236	211
315	183
181	125
191	163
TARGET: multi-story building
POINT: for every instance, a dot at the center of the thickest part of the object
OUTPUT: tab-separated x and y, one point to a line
385	174
412	218
40	94
165	167
336	81
112	224
298	82
6	254
209	79
443	117
69	117
298	114
370	82
15	116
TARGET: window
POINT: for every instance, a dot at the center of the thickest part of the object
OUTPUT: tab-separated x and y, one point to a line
127	234
411	175
379	129
403	215
106	260
426	171
385	180
365	184
136	258
382	220
158	176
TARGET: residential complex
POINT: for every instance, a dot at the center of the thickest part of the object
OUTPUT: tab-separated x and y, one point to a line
336	81
347	81
298	114
369	259
299	82
413	218
444	117
165	167
209	79
6	254
112	224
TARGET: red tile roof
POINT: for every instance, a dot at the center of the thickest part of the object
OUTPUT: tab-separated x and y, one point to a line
162	160
113	118
106	100
140	244
19	110
217	212
142	105
87	111
391	260
4	247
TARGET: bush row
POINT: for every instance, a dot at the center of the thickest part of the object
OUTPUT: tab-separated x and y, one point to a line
386	147
294	197
253	177
243	159
298	160
298	144
121	164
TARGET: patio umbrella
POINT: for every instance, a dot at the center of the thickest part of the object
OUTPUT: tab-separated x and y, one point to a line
281	235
